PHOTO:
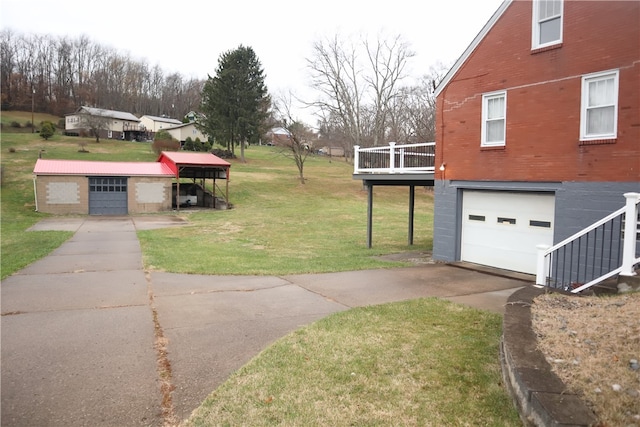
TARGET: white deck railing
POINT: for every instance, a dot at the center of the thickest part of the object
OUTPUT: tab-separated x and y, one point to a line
392	159
565	265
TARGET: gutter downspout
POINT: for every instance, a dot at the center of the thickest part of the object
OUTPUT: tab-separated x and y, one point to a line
35	192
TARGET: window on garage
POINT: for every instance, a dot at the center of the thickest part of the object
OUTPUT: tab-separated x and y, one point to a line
108	196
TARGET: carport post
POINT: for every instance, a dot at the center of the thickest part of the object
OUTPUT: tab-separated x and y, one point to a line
227	185
213	192
412	197
178	193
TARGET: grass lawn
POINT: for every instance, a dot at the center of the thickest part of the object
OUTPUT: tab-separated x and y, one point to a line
423	362
279	226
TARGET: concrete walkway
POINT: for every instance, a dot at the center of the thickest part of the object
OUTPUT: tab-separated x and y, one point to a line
90	338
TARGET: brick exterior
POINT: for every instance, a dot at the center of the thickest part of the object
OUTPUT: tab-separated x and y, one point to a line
543	99
543	151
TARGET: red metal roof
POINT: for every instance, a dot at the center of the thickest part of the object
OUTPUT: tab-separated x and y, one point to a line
186	158
81	167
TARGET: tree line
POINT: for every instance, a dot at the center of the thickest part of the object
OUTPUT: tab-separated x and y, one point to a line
58	74
363	92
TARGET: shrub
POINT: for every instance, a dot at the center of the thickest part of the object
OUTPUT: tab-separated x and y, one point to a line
188	144
197	145
223	154
164	142
206	145
16	125
162	135
47	130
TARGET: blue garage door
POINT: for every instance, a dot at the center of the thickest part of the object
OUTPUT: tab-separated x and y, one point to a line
108	196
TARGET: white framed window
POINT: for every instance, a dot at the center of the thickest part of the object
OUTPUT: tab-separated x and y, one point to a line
494	119
599	106
547	23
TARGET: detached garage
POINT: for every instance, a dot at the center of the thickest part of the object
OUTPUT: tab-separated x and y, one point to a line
119	188
102	188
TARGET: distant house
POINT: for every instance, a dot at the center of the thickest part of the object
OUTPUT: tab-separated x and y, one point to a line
186	130
108	123
155	123
279	136
538	130
194	116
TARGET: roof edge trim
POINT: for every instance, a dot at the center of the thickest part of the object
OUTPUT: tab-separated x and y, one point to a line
476	41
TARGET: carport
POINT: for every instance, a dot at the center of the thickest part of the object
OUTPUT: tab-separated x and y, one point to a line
198	166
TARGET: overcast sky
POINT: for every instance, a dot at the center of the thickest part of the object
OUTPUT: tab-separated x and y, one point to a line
189	37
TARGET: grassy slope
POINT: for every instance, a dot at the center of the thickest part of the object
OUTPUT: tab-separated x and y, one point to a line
279	226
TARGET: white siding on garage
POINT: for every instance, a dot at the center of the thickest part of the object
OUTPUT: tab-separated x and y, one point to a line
502	229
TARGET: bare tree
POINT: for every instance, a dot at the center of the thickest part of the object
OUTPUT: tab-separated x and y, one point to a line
68	73
96	122
357	94
299	143
336	75
412	113
388	60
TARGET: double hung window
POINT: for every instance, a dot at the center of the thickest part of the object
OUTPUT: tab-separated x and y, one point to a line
599	106
494	118
547	23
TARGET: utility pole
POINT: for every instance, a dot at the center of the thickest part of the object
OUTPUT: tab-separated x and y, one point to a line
33	95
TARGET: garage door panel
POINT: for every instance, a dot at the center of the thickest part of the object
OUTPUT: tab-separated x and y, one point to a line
502	229
108	196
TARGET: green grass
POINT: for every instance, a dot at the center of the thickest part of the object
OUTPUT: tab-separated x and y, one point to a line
23	118
279	226
19	154
423	362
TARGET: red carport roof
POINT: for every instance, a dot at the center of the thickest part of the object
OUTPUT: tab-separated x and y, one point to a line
81	167
199	159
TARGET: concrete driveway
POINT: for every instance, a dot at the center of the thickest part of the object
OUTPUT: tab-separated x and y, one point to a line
90	338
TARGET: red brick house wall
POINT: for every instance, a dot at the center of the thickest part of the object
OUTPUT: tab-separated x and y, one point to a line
543	99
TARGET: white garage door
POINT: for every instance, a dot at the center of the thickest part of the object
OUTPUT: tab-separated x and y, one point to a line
502	229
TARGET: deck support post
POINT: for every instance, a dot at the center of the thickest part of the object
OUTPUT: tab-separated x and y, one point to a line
412	198
369	214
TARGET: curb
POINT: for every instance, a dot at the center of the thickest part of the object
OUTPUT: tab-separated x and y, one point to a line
540	396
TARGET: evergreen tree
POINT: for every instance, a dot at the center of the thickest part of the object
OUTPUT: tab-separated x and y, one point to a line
47	130
236	101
